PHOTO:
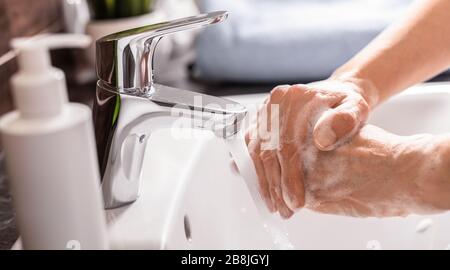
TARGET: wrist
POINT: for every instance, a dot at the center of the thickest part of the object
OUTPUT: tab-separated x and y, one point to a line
424	161
408	171
436	185
365	87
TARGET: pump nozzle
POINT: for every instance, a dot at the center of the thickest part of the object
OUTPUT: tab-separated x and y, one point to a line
33	52
39	88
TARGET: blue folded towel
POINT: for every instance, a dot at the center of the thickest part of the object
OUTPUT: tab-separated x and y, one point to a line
288	40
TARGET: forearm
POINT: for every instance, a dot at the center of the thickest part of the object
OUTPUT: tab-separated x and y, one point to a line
410	51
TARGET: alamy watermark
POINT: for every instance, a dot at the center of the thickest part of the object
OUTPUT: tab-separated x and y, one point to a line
226	121
73	245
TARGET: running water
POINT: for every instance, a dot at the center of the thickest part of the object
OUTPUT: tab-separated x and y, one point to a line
238	149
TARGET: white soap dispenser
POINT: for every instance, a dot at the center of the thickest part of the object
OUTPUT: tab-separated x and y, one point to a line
51	154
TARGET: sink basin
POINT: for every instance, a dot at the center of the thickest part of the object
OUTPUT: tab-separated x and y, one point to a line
193	198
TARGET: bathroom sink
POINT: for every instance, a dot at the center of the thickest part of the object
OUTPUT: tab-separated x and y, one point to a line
193	198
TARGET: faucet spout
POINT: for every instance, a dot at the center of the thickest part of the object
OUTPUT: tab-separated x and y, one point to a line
222	116
124	122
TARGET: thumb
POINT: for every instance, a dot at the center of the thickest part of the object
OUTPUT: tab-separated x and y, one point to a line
339	124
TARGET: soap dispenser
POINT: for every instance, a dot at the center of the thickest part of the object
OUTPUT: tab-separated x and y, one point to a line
51	154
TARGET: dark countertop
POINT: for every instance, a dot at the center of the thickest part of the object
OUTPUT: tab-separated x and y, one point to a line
8	232
176	75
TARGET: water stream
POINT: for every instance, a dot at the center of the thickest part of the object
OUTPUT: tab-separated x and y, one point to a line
238	149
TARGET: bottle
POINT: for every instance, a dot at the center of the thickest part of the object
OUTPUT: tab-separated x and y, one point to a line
51	154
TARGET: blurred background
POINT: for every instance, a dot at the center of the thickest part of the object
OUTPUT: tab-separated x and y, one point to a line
264	43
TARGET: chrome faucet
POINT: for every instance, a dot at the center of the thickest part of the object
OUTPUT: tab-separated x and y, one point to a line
129	106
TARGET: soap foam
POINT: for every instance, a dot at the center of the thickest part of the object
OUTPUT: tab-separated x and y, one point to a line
244	162
309	152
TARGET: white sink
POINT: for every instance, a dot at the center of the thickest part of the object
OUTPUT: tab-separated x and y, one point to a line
192	198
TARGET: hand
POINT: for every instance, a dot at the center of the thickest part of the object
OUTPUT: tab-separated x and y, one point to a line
351	101
325	114
380	174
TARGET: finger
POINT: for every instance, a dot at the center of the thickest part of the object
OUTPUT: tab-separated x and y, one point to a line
284	210
337	125
273	175
266	112
254	150
278	92
252	131
291	145
270	158
252	139
292	185
250	134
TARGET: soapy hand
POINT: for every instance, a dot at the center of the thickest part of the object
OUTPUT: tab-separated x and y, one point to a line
295	121
380	174
376	173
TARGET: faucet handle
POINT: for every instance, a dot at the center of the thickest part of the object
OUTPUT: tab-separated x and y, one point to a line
124	60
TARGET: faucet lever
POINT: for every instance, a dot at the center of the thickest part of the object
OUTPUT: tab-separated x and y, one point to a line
125	59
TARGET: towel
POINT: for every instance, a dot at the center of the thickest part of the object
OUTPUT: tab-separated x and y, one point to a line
288	40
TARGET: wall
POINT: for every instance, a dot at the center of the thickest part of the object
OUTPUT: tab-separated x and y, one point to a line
22	18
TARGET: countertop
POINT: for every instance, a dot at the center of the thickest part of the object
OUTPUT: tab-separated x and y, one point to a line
176	74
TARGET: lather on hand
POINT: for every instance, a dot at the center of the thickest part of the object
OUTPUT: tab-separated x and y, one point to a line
336	108
375	173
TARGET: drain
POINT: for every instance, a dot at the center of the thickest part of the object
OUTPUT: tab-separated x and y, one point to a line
142	138
187	229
